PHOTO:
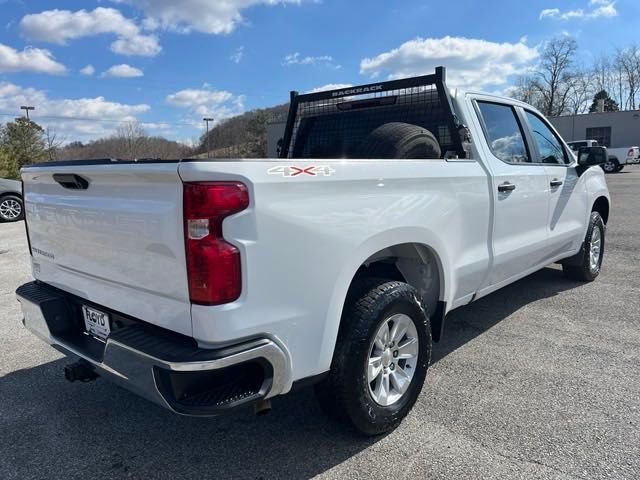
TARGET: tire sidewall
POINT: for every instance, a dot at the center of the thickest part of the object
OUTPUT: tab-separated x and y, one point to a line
595	221
364	411
17	199
611	165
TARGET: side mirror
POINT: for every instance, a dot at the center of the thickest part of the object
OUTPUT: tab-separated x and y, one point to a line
590	156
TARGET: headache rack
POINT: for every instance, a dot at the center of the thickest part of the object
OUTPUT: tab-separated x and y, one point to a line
333	123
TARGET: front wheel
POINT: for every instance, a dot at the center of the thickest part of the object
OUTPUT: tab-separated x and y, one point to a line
11	209
381	357
586	265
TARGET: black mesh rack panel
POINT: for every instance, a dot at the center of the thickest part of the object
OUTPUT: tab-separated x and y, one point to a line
336	123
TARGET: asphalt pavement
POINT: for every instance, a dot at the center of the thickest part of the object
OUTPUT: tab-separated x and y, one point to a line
538	380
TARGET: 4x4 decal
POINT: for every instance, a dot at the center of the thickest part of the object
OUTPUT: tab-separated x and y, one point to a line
293	171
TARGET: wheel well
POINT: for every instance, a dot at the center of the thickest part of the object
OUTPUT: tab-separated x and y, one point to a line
10	194
419	266
601	205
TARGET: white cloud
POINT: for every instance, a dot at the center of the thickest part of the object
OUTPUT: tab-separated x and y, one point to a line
322	60
206	16
330	86
471	63
60	26
549	12
88	70
236	56
597	9
123	70
29	59
219	104
80	118
143	45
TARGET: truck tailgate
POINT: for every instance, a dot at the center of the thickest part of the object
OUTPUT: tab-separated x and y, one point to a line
119	242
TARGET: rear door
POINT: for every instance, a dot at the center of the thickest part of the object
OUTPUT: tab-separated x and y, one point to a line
112	234
520	191
567	194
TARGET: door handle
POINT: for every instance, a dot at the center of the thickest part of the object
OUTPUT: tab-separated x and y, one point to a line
71	181
556	182
506	187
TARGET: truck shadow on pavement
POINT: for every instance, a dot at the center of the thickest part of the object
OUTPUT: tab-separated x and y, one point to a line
53	429
466	323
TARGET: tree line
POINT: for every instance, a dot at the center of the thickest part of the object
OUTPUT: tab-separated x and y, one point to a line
23	142
242	136
561	85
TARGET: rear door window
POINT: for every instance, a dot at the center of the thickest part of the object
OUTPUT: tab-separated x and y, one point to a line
504	133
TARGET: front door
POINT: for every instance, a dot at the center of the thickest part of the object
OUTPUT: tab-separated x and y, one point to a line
520	190
568	207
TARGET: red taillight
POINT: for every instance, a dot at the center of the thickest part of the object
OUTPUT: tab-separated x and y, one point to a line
213	264
631	152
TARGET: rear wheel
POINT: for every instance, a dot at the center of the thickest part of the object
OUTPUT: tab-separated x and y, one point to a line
381	357
586	265
11	209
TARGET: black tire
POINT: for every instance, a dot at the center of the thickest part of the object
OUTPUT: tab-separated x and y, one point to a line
402	141
619	169
345	393
579	266
611	166
8	203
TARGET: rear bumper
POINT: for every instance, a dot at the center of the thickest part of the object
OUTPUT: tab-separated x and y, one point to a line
166	368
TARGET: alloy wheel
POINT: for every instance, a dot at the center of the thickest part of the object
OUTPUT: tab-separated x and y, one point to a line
595	247
10	209
392	359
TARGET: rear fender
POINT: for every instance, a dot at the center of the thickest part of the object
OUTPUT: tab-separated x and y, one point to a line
365	251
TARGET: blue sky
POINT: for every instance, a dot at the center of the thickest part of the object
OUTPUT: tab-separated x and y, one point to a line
169	63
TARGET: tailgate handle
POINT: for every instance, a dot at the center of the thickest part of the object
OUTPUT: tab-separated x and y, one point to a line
71	181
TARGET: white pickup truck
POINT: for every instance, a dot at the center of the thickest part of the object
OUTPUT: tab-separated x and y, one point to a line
207	285
617	158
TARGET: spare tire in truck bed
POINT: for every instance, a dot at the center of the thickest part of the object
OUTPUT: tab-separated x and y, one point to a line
400	140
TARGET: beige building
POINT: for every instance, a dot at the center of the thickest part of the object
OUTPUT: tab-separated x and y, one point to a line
611	129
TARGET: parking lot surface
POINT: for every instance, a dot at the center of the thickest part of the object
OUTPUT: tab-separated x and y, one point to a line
538	380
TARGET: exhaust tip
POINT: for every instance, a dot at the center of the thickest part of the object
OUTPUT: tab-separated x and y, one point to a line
79	371
262	407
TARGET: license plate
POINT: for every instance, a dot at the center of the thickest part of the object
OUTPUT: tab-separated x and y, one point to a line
96	322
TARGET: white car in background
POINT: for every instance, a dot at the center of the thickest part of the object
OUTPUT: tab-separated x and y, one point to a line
617	157
11	209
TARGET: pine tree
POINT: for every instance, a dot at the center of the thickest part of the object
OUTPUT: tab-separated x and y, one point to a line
610	105
23	140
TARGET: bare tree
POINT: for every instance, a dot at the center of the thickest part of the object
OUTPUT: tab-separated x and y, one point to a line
555	75
581	92
53	143
132	139
526	90
555	87
602	70
627	68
